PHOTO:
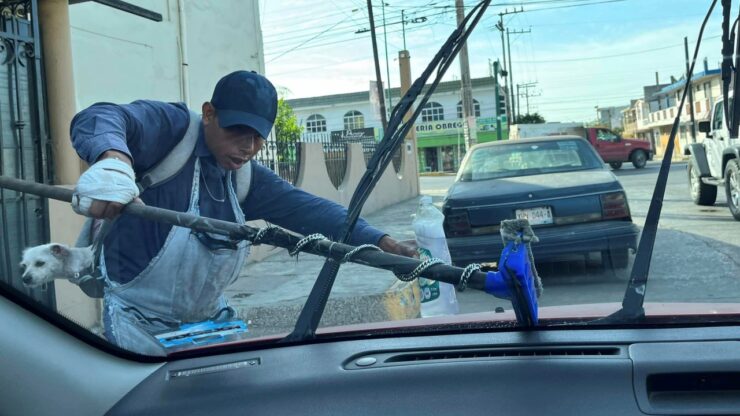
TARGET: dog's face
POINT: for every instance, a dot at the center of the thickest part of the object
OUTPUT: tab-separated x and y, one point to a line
42	264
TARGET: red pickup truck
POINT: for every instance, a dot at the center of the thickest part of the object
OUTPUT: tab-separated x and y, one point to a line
614	149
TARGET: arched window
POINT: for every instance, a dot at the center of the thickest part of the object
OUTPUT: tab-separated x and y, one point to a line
354	120
476	107
315	123
432	111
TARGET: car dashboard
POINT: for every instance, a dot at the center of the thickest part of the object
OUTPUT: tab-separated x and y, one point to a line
557	371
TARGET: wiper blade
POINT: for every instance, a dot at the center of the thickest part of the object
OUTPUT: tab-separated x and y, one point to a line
634	297
395	133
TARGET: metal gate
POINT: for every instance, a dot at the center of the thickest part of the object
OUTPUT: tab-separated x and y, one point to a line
24	141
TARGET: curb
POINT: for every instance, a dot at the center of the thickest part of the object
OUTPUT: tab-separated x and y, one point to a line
437	174
399	301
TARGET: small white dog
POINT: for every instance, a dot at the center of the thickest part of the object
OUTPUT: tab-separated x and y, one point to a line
42	264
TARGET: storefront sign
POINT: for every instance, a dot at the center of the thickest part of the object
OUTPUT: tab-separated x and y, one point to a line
353	136
447	127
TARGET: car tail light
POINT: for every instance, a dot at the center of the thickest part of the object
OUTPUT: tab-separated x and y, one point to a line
457	224
614	206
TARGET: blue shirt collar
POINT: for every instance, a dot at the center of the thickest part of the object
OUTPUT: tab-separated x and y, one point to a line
201	149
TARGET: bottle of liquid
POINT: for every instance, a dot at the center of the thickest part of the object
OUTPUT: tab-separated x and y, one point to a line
437	298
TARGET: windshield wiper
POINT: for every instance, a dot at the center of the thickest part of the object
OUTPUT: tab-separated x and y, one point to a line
395	133
634	297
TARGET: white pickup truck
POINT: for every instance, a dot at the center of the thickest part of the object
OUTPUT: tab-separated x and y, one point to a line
715	163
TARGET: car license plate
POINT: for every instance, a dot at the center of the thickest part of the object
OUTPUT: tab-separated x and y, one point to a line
536	216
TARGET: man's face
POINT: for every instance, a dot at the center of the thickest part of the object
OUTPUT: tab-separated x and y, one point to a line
233	146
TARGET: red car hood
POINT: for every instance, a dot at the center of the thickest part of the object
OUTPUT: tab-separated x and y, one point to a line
553	313
662	312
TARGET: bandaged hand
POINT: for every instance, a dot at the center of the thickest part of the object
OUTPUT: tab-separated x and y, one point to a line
104	189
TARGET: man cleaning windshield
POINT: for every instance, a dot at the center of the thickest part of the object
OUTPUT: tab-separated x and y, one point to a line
158	276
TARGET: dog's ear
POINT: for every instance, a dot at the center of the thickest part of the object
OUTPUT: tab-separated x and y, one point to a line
59	250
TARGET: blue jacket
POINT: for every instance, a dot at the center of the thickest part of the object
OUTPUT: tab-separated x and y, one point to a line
147	131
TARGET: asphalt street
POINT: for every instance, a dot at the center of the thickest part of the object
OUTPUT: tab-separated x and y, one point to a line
696	257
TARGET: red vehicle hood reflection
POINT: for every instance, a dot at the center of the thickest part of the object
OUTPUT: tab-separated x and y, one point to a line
665	313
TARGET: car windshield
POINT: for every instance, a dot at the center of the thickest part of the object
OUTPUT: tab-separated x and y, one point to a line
186	168
531	158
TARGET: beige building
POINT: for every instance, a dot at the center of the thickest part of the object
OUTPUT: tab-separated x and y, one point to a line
660	107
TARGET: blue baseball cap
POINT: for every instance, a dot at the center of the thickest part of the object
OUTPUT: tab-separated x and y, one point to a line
245	98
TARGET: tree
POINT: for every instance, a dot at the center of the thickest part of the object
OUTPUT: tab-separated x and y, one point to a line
287	131
533	118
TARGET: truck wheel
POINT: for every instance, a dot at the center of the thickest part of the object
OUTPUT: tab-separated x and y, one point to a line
638	159
701	193
615	165
732	187
615	258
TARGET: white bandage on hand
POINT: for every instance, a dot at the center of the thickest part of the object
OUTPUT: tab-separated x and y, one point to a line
107	180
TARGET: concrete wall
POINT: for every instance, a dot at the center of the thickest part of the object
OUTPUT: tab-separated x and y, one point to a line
120	57
391	188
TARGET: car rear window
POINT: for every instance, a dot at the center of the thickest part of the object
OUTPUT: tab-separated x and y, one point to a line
531	158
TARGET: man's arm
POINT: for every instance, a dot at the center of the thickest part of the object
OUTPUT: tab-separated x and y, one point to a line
143	131
135	136
277	201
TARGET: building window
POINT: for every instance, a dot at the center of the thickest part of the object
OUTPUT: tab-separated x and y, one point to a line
432	111
476	107
316	123
697	107
354	120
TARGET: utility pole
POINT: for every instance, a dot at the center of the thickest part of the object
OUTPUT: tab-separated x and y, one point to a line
471	133
691	91
387	64
404	68
403	27
526	88
497	100
511	71
505	71
381	97
518	94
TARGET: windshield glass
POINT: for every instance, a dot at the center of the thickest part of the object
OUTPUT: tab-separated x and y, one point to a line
278	118
521	159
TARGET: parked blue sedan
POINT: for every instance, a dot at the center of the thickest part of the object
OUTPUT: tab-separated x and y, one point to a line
560	184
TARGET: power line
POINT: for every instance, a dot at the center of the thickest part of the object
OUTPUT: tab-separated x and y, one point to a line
298	46
349	40
346	40
309	31
591	58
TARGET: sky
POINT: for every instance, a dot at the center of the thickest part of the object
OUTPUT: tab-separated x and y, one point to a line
578	54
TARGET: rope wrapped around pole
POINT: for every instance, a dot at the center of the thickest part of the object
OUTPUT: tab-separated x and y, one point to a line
275	236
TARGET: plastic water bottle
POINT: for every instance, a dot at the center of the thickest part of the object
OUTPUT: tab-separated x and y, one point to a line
437	298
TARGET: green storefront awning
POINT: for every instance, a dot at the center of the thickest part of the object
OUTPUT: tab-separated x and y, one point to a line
454	139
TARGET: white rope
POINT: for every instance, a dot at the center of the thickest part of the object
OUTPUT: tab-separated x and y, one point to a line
304	241
419	269
261	234
347	257
467	272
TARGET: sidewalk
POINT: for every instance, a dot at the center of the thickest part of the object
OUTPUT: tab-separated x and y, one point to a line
270	294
